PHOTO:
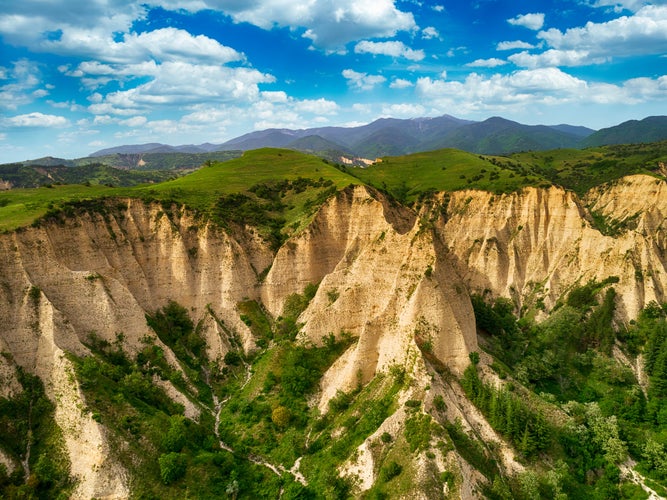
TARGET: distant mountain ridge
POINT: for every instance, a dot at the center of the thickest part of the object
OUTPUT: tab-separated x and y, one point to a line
392	136
650	129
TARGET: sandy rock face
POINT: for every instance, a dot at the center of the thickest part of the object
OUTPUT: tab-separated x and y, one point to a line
541	242
382	280
62	282
395	279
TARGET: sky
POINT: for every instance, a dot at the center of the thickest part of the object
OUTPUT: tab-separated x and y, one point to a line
77	76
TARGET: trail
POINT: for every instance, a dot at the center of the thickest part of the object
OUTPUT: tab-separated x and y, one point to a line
218	405
627	469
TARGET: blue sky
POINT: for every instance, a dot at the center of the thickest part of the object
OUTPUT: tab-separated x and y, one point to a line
80	75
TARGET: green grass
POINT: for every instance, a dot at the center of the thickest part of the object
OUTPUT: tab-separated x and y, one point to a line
199	190
580	170
444	170
20	207
202	188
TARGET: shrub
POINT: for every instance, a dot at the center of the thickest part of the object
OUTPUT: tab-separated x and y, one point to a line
172	467
281	417
389	472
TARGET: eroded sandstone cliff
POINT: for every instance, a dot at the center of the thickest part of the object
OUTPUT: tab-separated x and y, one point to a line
393	278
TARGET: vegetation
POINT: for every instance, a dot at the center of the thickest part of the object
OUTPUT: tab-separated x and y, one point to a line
407	177
32	440
32	176
580	170
277	190
568	361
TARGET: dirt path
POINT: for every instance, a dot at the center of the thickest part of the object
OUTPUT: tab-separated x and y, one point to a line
255	459
627	470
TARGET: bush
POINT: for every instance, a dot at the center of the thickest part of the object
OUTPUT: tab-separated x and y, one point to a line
281	417
172	467
389	472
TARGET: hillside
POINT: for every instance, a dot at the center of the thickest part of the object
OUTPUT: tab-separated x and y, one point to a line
499	136
650	129
28	176
438	325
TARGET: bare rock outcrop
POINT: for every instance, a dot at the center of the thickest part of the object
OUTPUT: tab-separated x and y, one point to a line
538	243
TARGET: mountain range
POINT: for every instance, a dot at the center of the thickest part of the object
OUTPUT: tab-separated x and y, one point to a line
391	137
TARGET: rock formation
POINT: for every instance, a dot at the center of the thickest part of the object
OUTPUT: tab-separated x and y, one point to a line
394	278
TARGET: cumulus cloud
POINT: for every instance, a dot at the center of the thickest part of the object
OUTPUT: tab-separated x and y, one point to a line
642	33
21	79
165	44
362	81
316	106
392	49
533	21
553	57
36	24
36	120
174	83
135	121
537	87
620	5
406	110
430	32
400	83
329	25
516	44
487	63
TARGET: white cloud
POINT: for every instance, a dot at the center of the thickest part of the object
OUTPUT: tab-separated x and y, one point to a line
317	106
430	32
619	5
516	44
165	44
403	110
642	33
533	21
36	120
328	24
438	8
179	83
552	58
22	77
487	63
362	81
87	28
135	121
392	49
534	88
274	96
400	83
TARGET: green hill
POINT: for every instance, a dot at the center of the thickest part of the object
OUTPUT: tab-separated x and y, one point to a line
580	170
27	176
406	177
283	187
650	129
277	184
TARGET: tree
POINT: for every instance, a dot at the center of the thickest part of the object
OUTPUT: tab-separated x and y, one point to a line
174	439
172	467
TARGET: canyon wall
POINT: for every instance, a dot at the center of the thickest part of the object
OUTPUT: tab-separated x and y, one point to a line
393	278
